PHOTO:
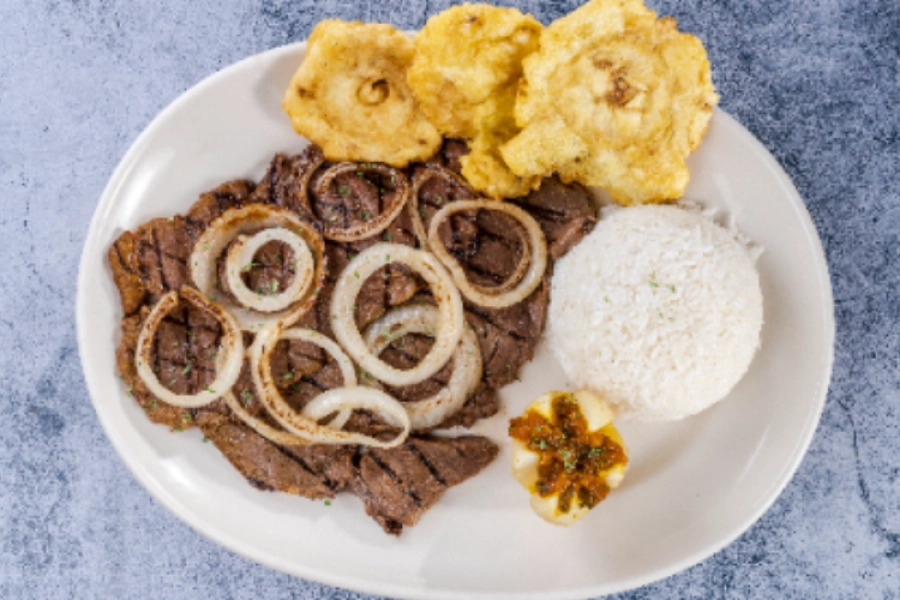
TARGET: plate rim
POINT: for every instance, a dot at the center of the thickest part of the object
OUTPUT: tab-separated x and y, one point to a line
159	493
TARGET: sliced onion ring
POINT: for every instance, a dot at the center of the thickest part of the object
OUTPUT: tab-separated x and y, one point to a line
242	253
231	350
377	223
536	267
450	321
384	405
467	365
421	178
279	436
251	219
304	426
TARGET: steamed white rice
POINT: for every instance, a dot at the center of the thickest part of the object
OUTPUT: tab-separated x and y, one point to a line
658	311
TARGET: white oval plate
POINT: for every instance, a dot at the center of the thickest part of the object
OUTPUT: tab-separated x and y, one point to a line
692	488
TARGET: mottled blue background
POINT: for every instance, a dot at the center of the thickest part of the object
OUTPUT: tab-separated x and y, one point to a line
817	82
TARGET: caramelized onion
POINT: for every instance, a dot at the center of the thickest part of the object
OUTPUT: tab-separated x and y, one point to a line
349	397
421	178
231	350
248	220
279	436
376	223
467	366
493	297
241	254
449	323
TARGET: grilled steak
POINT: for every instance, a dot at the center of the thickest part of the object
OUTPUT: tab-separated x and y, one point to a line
152	260
399	484
396	485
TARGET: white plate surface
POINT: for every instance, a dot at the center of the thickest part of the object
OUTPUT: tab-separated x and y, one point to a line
692	488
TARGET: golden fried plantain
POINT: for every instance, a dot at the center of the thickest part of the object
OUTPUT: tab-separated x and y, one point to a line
350	96
485	170
614	98
465	74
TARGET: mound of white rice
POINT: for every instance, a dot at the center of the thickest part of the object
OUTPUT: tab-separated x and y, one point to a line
658	311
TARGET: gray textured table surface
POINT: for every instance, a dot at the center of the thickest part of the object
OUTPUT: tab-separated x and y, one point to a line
818	83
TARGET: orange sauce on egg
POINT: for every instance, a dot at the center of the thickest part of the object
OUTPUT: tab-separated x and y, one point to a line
572	459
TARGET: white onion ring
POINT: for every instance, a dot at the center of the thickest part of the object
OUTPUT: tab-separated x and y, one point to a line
304	425
428	173
377	223
450	322
278	436
536	267
231	350
242	253
467	365
251	219
341	399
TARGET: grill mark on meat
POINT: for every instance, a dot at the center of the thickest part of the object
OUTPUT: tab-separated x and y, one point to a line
412	358
259	484
495	277
258	459
486	316
305	466
489	359
460	453
431	468
385	292
158	253
177	259
401	485
147	270
124	264
356	460
344	211
156	359
286	257
194	228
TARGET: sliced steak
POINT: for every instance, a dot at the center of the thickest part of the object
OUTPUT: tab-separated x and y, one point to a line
396	485
484	403
565	212
400	484
261	462
333	464
158	412
350	194
286	182
186	344
216	201
450	154
270	271
152	260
